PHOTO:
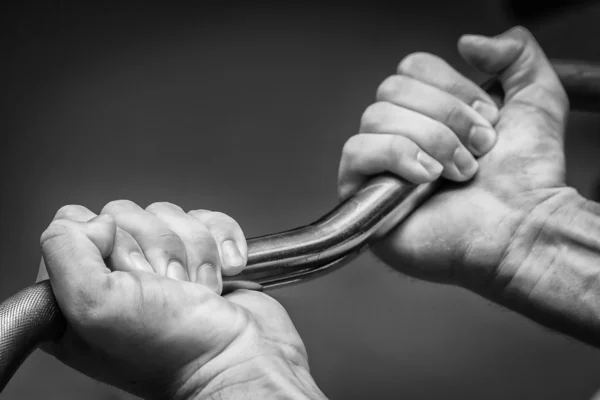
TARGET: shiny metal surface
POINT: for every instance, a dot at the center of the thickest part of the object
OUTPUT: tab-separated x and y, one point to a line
284	258
334	239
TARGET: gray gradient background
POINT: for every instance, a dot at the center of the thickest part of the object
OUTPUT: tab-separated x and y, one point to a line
245	109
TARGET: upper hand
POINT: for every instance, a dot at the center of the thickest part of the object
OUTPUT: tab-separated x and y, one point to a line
426	117
140	292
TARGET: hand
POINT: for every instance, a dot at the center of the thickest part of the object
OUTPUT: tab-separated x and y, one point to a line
136	318
467	233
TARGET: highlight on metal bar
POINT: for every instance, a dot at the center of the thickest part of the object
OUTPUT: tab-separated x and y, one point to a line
32	315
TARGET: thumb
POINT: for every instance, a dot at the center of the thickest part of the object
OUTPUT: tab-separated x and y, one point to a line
74	254
101	231
526	75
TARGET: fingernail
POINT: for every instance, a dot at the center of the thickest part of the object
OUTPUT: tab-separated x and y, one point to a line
486	110
481	139
140	262
465	162
433	167
231	254
207	276
176	271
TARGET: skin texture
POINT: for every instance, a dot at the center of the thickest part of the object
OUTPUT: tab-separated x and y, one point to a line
461	235
144	311
161	332
509	229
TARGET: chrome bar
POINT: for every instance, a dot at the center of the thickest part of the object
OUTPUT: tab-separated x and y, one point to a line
334	239
287	257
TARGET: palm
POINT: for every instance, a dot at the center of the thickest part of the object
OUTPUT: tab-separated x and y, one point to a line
470	225
179	323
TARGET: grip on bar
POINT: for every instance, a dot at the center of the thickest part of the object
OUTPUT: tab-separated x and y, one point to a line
32	315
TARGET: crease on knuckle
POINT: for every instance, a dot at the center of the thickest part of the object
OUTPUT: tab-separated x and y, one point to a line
57	229
522	33
454	87
453	113
170	240
442	144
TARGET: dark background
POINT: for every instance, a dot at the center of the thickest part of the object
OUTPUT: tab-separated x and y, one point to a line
244	108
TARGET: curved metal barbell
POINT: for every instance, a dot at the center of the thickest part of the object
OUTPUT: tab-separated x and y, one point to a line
32	316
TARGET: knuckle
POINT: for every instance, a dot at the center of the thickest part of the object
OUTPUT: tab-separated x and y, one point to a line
453	113
390	87
522	33
71	211
115	205
454	86
224	222
352	149
170	240
374	116
441	142
415	62
57	229
161	206
199	214
218	218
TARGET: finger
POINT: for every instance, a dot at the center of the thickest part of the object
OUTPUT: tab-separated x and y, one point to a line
230	239
162	247
473	130
528	79
365	155
127	254
434	71
436	139
72	213
74	254
203	259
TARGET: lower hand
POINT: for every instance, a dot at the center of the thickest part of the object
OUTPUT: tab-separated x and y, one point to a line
140	292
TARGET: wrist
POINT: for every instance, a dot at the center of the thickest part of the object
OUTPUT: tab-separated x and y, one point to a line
261	377
264	378
550	269
535	246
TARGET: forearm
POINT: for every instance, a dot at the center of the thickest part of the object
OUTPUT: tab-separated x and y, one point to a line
261	378
551	271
